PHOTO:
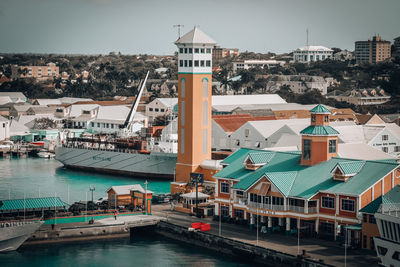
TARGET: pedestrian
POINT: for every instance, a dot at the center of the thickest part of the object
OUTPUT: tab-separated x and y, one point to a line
115	215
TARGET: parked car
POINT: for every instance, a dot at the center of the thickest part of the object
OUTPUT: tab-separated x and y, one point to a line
101	200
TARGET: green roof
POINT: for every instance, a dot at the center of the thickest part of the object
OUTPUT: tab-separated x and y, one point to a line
260	157
320	109
393	196
32	203
292	179
350	167
319	130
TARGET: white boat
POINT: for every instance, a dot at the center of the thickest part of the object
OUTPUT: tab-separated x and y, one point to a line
13	234
388	243
45	154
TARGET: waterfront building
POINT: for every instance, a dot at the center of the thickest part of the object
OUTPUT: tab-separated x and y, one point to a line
254	63
219	52
397	45
313	190
194	102
160	107
361	97
311	53
16	97
126	195
4	128
369	227
40	73
46	101
372	51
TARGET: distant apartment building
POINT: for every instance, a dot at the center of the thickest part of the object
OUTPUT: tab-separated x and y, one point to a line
40	73
298	84
248	64
310	53
372	51
397	44
219	52
367	96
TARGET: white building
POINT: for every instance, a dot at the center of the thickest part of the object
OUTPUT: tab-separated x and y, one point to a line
298	84
248	64
4	128
310	53
160	107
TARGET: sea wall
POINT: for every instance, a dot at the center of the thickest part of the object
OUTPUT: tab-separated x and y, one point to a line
243	251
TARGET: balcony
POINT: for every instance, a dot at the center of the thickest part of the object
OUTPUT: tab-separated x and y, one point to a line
296	209
240	200
266	206
312	209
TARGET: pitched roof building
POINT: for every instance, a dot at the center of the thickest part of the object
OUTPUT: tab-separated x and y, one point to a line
313	189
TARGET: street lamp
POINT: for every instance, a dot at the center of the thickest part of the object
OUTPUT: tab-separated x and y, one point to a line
92	189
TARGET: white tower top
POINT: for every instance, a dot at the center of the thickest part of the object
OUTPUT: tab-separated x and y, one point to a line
195	52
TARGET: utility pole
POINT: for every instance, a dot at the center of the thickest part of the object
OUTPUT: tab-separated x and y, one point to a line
179	26
197	197
145	197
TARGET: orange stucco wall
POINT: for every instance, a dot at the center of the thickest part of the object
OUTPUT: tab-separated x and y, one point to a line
319	149
366	198
320	119
223	195
193	125
378	190
368	230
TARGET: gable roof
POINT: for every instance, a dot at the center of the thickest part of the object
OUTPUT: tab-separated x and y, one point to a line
350	167
126	189
319	130
260	158
32	203
230	123
391	197
195	36
283	167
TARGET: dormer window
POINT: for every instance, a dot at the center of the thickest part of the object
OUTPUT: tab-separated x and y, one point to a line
257	160
345	170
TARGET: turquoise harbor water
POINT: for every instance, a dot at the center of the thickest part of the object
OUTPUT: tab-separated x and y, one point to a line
43	177
36	176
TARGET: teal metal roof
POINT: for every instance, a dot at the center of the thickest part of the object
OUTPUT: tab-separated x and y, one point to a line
260	157
293	179
393	196
320	109
350	167
32	203
319	130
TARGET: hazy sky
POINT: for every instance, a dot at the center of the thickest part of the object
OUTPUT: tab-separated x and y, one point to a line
146	26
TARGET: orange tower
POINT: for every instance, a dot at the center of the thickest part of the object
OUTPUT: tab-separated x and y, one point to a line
319	140
194	102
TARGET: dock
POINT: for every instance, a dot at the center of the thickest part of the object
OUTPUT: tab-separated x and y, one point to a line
19	150
106	228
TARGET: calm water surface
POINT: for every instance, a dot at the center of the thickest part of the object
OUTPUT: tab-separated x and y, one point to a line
43	177
36	176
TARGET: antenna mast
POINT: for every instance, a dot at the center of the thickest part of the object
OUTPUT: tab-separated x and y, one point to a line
307	36
179	26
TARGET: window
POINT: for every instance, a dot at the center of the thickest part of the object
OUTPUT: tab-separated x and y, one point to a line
201	63
180	63
196	50
186	63
205	113
98	124
224	188
239	193
186	50
385	149
312	118
190	50
182	139
328	202
237	142
326	118
372	219
205	87
385	137
239	214
156	109
246	132
92	124
196	63
183	83
332	146
348	205
382	251
150	109
208	63
208	50
397	149
306	149
190	63
365	241
182	113
162	110
224	211
181	50
204	141
365	216
107	125
202	50
112	126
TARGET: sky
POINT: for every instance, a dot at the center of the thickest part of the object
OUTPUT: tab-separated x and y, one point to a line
146	26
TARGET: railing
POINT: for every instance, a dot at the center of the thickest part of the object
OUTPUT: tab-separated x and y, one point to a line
277	207
296	209
266	206
240	200
312	209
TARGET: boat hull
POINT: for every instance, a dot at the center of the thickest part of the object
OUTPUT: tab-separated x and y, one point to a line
12	237
153	165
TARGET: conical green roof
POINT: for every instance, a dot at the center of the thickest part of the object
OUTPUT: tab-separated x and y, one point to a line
320	109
